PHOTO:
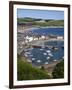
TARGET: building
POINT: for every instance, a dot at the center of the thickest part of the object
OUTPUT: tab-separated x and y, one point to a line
60	37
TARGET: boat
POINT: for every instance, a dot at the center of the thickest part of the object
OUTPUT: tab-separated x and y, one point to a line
33	59
38	61
48	57
48	51
50	54
45	53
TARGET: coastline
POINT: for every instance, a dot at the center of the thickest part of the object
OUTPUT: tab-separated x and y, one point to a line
34	28
53	64
50	67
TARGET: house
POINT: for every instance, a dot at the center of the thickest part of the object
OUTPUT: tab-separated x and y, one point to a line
60	37
29	39
35	38
43	37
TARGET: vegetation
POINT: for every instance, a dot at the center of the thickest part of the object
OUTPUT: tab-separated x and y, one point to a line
58	71
41	22
25	71
26	19
50	23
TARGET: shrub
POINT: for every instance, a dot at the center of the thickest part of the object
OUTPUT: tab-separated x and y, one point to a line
58	71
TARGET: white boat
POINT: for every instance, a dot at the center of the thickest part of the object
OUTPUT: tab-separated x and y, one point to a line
48	57
38	61
45	53
48	51
33	59
50	54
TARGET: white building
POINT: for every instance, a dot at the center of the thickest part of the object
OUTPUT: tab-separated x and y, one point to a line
60	37
29	39
35	38
43	37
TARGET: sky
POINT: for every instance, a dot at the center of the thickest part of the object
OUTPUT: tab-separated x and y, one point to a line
40	14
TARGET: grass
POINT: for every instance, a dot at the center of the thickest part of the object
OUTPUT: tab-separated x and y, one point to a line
25	71
36	22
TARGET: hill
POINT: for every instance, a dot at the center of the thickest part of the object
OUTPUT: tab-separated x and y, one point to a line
41	22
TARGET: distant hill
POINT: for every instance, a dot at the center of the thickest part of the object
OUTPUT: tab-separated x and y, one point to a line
41	22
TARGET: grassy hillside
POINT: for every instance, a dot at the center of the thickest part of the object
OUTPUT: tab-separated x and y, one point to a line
25	71
41	22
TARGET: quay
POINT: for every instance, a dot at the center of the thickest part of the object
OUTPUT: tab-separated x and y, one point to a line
41	44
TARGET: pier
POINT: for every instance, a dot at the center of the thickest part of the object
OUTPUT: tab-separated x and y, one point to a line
41	44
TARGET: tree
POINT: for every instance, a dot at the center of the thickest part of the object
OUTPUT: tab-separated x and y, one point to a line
58	71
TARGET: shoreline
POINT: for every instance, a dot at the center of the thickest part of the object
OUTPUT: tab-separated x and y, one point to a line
51	64
34	28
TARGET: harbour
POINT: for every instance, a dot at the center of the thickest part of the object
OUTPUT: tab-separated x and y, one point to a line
41	49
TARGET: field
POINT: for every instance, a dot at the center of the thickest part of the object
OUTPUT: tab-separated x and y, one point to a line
41	22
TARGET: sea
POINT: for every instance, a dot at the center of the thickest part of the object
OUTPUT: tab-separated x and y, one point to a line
48	31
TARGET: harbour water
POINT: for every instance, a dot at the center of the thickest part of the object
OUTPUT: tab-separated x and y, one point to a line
41	56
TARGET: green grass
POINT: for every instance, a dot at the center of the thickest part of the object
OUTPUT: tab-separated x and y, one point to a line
25	71
45	23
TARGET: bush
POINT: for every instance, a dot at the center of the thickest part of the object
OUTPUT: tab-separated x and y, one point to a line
58	71
25	71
